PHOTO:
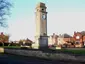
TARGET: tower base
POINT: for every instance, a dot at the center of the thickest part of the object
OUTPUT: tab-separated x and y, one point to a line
41	42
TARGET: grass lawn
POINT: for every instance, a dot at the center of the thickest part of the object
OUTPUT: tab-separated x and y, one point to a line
73	51
10	46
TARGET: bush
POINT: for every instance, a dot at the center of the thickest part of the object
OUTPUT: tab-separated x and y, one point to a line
1	44
13	44
6	44
17	44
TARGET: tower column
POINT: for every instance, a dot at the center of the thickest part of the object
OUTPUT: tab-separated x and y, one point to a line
41	24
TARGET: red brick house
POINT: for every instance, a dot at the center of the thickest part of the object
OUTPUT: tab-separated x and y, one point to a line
78	39
4	38
66	38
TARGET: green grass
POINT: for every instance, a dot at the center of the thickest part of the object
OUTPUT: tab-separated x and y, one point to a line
10	46
73	51
80	51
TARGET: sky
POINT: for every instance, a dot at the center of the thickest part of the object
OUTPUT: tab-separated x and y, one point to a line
64	16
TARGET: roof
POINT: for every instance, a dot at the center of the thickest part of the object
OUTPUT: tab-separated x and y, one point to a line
29	40
83	33
65	36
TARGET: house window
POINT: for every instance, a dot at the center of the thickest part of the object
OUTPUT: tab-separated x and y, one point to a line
77	42
42	9
84	43
72	43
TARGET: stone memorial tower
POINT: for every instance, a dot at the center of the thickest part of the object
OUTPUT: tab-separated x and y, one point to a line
41	25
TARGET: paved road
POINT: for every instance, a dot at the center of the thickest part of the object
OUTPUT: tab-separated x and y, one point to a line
14	59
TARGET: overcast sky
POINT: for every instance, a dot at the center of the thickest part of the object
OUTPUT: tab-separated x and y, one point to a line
64	16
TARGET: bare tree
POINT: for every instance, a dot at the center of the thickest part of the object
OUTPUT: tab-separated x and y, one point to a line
4	11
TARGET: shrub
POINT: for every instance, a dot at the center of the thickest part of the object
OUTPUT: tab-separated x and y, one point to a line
6	44
1	44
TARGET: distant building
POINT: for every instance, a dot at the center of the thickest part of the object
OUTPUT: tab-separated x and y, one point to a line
79	39
52	40
64	39
84	40
26	41
61	40
16	41
4	38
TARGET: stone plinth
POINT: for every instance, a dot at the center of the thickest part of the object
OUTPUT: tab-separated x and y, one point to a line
43	42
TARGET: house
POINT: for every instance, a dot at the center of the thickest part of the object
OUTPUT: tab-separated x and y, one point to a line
67	38
64	38
60	41
78	38
4	38
83	35
27	41
52	40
